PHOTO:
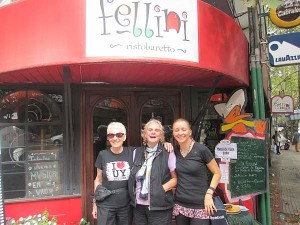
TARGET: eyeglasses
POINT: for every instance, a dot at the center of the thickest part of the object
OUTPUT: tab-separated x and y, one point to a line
118	135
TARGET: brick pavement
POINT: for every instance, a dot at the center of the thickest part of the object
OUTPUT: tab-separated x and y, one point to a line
285	187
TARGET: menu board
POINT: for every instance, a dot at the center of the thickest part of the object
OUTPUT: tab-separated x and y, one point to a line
248	172
44	174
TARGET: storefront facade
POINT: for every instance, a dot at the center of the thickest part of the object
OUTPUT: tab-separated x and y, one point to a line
71	67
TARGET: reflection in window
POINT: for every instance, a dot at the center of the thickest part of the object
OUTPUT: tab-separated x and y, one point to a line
40	107
31	144
158	109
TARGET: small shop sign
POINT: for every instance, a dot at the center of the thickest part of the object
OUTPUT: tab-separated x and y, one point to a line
282	104
287	14
225	149
284	49
155	29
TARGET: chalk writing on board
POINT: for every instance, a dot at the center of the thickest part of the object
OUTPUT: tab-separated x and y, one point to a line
247	173
43	155
43	177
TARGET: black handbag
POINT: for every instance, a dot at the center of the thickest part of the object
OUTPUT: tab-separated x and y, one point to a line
101	193
219	217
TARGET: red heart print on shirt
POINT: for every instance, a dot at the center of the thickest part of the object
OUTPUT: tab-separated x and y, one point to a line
120	165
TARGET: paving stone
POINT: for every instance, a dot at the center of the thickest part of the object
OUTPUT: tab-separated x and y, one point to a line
285	187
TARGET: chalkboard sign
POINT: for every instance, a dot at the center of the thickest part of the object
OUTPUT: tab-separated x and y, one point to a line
247	173
44	174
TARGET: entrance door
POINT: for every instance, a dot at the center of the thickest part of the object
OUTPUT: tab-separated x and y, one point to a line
131	107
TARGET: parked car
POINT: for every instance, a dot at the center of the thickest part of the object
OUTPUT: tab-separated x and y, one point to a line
57	139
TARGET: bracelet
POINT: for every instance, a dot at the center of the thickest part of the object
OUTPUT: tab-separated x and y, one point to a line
211	188
207	193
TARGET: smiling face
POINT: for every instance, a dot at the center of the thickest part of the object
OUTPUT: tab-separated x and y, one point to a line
153	133
182	131
116	135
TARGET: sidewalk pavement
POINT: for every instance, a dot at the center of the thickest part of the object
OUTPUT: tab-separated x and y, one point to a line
285	187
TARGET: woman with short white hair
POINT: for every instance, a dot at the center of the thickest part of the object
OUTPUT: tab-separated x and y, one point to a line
113	169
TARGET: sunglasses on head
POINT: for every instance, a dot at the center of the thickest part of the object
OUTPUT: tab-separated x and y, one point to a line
118	135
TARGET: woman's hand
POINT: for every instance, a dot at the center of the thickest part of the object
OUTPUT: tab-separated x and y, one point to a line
169	147
209	204
94	212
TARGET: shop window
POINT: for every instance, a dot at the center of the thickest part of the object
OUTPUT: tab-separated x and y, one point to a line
161	110
31	135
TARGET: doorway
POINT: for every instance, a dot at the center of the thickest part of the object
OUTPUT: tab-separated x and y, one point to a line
133	108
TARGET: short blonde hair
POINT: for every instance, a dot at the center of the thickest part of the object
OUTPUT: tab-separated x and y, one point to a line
146	127
117	125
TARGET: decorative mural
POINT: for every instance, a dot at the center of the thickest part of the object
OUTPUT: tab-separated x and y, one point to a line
241	153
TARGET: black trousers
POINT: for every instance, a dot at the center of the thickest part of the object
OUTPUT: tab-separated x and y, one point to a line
183	220
144	216
277	149
117	216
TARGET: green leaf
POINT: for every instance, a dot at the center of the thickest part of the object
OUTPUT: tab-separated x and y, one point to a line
272	3
249	3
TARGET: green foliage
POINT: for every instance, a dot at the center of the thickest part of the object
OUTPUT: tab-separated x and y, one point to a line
271	3
40	219
84	222
284	80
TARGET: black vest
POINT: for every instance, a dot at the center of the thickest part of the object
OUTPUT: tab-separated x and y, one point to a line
160	174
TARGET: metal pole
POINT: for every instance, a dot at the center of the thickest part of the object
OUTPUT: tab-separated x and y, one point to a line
265	198
254	87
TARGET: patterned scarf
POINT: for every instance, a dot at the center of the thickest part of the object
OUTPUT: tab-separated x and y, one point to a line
143	175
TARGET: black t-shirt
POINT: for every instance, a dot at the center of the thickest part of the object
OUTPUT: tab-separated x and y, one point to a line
115	173
192	176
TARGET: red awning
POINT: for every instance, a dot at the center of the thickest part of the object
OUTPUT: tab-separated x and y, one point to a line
40	37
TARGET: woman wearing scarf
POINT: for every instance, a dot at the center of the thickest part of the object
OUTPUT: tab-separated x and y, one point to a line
152	178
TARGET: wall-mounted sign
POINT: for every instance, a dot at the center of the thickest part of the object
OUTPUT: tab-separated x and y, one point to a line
284	49
287	14
282	104
225	149
138	29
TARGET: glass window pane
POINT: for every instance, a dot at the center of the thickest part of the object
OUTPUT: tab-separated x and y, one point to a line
43	137
14	181
32	143
40	106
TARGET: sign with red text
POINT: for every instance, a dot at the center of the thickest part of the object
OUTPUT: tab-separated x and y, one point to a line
138	29
282	104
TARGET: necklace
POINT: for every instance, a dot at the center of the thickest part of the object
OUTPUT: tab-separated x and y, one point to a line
184	153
